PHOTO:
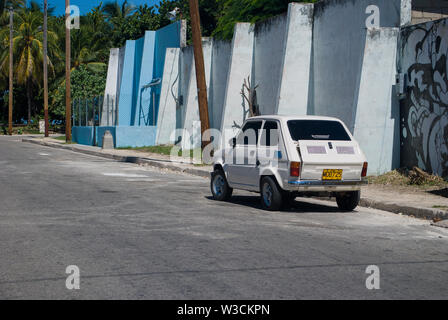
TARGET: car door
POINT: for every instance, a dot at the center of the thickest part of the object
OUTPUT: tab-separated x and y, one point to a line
270	150
242	172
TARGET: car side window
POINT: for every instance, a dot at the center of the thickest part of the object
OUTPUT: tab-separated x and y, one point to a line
270	134
249	133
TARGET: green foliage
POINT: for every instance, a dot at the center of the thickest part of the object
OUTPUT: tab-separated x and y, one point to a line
252	11
85	84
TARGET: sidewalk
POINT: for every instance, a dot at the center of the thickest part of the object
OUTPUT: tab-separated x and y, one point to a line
417	203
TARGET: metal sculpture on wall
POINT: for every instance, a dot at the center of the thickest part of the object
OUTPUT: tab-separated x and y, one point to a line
424	111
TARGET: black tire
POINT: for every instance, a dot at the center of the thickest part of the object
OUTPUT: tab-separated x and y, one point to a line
288	199
270	194
219	186
348	201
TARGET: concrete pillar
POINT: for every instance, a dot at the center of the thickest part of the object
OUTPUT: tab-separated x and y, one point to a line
169	94
377	121
144	108
217	90
110	93
295	79
240	67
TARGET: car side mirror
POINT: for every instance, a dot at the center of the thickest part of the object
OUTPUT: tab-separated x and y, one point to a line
232	142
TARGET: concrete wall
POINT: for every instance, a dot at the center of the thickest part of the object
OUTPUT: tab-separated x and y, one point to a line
166	120
83	135
428	10
377	116
218	82
143	112
235	111
338	52
130	71
295	68
144	61
130	82
319	59
268	61
111	91
191	137
424	110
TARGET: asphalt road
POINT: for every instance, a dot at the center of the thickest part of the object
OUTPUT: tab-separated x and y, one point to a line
142	233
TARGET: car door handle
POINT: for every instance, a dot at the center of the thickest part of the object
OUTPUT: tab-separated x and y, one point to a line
252	153
257	164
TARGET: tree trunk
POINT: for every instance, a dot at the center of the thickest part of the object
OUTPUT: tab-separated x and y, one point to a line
28	94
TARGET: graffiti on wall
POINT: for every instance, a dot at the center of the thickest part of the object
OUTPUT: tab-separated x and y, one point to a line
424	111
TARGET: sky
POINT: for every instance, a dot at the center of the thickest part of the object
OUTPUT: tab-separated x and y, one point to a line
86	5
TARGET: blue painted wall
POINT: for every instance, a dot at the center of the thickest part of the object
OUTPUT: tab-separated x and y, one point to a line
144	61
144	95
83	135
127	85
135	136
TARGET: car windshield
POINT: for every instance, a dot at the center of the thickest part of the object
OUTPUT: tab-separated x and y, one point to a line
317	130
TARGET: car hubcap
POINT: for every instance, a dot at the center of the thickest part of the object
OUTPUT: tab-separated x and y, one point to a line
218	185
267	194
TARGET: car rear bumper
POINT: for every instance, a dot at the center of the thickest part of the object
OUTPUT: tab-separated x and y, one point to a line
330	186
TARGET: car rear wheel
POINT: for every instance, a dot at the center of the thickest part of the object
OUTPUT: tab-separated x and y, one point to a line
219	186
348	201
271	195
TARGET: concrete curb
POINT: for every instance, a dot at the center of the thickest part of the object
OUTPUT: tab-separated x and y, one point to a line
417	212
137	160
422	213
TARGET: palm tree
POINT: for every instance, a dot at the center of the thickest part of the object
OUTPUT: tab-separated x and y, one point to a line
28	50
117	15
113	10
14	3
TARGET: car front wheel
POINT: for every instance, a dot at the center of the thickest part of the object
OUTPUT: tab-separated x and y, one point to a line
219	186
348	201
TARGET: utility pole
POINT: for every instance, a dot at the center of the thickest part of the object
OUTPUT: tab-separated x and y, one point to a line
45	68
200	69
68	108
11	66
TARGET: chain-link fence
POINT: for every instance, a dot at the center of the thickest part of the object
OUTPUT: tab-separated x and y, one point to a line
97	111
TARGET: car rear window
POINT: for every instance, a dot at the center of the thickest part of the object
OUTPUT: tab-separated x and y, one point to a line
317	130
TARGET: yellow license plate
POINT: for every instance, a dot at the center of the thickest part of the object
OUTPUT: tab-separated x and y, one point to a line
332	174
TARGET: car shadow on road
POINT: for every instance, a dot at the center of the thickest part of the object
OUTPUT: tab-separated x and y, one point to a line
299	205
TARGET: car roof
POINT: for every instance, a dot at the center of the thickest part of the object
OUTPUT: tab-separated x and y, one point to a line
287	118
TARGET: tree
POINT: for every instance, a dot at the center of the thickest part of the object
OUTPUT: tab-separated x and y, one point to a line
85	84
116	15
4	4
28	50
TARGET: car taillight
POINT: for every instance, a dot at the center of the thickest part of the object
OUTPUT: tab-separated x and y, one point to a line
364	170
295	169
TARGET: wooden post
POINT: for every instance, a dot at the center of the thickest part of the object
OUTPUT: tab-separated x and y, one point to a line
46	69
200	69
68	116
11	66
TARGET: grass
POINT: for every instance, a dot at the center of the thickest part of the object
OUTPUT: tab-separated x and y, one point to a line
405	177
62	138
20	130
440	207
166	150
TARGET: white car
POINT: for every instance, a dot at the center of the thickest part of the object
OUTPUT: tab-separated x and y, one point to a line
284	157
